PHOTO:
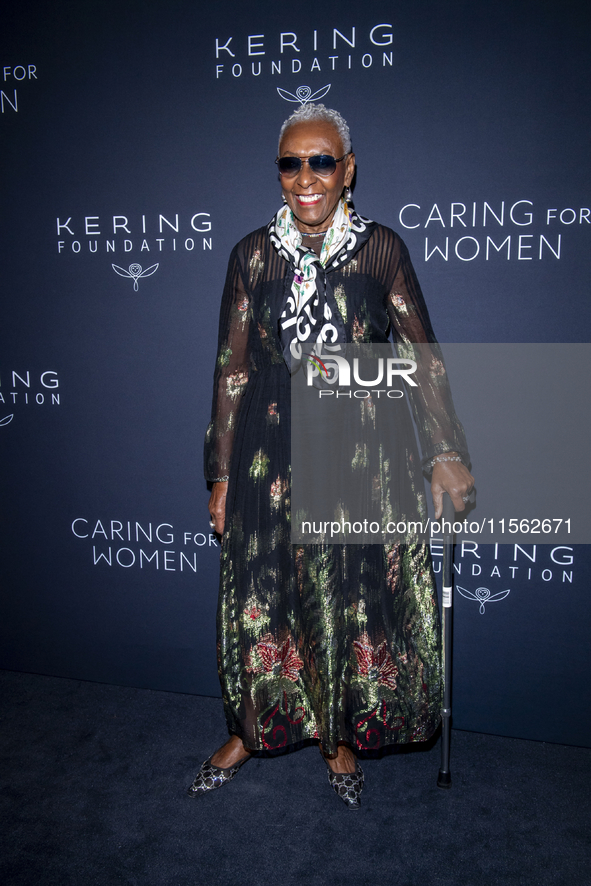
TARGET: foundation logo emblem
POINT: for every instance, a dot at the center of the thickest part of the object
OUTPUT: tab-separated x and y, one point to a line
135	272
303	94
483	596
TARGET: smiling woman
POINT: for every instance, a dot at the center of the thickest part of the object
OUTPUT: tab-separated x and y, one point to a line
312	190
335	644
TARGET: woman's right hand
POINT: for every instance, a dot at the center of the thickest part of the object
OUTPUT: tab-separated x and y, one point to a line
217	506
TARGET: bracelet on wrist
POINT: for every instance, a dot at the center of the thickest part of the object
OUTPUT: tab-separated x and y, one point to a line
432	462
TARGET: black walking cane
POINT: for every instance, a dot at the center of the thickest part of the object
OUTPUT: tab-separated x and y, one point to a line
448	516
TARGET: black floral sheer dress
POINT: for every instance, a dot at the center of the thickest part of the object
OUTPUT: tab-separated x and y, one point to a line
333	642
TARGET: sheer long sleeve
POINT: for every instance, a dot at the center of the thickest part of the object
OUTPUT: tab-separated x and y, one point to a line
438	426
231	372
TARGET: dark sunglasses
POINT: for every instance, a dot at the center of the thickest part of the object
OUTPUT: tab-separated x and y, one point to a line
320	164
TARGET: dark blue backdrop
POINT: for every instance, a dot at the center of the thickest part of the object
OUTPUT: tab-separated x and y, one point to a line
142	135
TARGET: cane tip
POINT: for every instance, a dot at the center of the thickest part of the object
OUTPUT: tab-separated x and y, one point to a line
444	779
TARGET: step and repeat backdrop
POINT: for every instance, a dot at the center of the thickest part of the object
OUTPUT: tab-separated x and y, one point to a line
138	141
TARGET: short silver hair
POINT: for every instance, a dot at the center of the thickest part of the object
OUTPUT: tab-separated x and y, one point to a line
312	112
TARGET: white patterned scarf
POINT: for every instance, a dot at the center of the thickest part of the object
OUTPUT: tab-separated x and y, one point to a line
309	313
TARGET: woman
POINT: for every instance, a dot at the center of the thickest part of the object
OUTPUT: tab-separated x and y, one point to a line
337	643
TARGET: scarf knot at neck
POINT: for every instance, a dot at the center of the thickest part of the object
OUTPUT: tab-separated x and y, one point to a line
309	314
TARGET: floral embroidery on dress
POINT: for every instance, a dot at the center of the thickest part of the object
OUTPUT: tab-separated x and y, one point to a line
276	668
341	300
268	340
358	611
376	672
368	733
393	569
253	547
368	411
235	382
260	465
272	727
361	457
243	307
357	330
224	356
384	495
272	414
278	489
255	615
397	299
436	368
256	267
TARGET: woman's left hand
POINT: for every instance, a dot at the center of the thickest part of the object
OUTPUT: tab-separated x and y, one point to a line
455	479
